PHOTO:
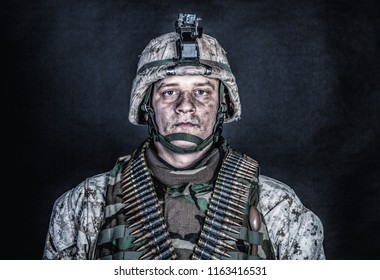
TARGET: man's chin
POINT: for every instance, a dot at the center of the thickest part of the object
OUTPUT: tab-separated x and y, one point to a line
183	144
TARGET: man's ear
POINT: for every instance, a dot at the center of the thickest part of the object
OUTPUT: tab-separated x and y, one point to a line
146	117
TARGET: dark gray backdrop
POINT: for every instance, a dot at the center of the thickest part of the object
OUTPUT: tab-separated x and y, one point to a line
308	75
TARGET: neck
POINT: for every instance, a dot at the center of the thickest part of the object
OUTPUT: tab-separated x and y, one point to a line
180	160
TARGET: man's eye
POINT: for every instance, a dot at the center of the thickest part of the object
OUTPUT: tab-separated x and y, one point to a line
168	93
201	92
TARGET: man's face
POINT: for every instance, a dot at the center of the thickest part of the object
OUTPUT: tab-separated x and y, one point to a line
186	104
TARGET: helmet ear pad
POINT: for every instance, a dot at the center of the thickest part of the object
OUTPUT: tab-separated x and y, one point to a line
146	117
230	106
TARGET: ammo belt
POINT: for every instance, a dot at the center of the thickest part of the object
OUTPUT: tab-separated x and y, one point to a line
235	195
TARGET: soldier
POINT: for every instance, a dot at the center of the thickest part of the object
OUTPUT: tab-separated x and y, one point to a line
184	193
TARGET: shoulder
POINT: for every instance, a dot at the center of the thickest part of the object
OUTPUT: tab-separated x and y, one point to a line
274	192
278	197
296	231
88	188
78	214
94	186
70	208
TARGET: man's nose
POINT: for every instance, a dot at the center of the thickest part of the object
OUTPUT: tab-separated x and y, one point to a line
185	103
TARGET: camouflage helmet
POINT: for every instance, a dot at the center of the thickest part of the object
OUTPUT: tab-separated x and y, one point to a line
159	59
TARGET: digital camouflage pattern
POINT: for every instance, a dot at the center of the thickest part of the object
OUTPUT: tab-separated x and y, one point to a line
294	231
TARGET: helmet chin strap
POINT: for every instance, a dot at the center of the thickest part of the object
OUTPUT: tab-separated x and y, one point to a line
200	143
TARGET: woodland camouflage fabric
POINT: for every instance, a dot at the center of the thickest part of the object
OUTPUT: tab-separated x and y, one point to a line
184	197
295	231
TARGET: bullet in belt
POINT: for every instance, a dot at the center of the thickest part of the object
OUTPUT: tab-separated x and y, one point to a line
148	225
148	218
130	198
203	253
167	254
212	249
224	206
216	208
152	202
140	179
155	240
217	232
241	168
227	200
227	190
243	172
133	189
239	198
157	248
246	160
218	224
135	166
223	218
152	232
195	257
147	212
149	253
232	180
232	185
215	240
149	196
136	170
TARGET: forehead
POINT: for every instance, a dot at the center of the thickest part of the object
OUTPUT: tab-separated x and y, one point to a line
187	80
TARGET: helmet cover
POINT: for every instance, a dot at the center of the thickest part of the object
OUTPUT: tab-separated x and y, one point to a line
159	60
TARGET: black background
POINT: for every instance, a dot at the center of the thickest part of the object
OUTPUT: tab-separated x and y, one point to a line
308	76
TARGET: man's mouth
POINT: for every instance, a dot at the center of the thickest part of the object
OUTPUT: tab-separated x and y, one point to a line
185	125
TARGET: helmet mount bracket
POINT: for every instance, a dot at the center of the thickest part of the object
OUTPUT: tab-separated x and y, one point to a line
187	26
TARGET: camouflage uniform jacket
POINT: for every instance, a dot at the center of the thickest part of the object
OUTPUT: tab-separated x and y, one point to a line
295	231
